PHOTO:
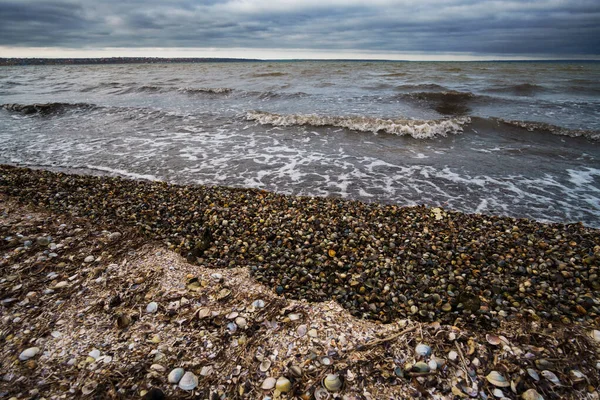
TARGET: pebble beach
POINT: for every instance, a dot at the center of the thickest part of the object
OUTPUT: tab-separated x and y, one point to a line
116	288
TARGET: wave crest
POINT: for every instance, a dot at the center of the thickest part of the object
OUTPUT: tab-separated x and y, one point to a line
533	126
426	129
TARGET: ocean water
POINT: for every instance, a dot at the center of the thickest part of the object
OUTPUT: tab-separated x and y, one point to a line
512	138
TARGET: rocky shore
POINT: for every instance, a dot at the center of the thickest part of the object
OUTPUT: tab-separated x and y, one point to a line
109	285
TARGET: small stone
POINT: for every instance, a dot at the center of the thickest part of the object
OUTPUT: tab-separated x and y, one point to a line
158	367
175	375
114	236
61	285
88	259
29	353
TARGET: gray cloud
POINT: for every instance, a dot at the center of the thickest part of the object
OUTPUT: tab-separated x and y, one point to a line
525	27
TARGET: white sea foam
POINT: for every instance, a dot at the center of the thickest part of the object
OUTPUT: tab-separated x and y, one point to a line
419	129
123	172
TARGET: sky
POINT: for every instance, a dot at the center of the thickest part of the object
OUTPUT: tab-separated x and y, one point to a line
375	29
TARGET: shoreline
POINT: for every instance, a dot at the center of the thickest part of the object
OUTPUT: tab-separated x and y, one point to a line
333	262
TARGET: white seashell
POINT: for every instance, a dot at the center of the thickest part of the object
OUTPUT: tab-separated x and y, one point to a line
206	370
496	379
551	377
265	365
232	315
532	394
189	381
241	322
498	393
326	361
269	383
217	277
283	384
452	355
493	339
29	353
321	394
423	350
56	334
333	383
258	303
296	371
94	354
89	387
576	376
433	365
595	334
152	307
301	331
61	285
175	375
294	317
232	327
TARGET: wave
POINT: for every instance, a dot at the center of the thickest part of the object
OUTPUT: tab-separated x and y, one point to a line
423	87
446	102
533	126
521	89
268	74
417	129
47	108
218	90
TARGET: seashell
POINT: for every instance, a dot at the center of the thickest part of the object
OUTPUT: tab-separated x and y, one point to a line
326	361
433	365
232	315
531	394
496	379
452	355
533	374
331	253
29	353
301	330
333	383
123	320
498	393
551	377
576	376
89	388
206	370
241	322
204	313
296	371
157	367
294	316
223	294
94	354
265	365
283	384
321	394
188	381
217	277
232	327
493	339
423	350
175	375
258	303
268	383
595	334
544	364
152	307
420	367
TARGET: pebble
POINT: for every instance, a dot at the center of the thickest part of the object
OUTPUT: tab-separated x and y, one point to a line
89	259
29	353
152	307
175	375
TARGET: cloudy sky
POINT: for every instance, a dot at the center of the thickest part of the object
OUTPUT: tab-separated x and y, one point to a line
394	29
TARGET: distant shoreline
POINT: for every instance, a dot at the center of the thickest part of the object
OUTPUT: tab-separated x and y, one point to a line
159	60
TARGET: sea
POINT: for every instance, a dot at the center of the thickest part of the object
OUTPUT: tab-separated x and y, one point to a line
519	139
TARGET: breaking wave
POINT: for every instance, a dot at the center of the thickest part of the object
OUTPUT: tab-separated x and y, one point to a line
445	102
402	127
533	126
218	90
47	108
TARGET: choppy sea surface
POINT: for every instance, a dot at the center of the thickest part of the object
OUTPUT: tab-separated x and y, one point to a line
511	138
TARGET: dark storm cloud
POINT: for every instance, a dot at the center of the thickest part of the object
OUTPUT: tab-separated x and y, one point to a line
483	27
